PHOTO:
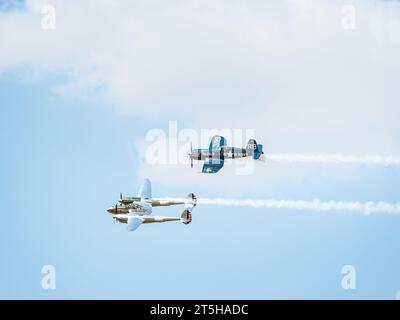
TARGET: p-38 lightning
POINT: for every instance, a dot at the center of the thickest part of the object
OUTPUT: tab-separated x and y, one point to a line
134	211
217	152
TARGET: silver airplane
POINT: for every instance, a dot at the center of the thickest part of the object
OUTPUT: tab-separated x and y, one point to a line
133	211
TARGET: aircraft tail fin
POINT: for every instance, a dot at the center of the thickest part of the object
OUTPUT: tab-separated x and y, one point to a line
186	216
254	149
191	201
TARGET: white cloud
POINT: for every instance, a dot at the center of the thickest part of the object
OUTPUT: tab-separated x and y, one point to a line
286	69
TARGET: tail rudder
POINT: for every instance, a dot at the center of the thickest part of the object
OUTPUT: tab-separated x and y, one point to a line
254	149
191	201
259	154
186	216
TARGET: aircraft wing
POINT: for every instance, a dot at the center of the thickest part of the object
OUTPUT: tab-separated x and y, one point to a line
212	165
145	190
134	223
217	142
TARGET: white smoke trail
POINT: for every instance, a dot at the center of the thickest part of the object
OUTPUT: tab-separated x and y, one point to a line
368	207
390	160
314	205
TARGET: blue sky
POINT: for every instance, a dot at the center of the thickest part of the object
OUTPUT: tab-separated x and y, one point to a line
72	116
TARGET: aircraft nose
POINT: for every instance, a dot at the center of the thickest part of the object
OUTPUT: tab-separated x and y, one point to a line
110	210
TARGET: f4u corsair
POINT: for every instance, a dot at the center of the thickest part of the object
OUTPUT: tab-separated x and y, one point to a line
216	154
134	211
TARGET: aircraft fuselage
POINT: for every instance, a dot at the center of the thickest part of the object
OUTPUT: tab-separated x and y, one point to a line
140	208
224	153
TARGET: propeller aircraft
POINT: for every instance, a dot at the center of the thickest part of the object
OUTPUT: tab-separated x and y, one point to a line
135	211
217	152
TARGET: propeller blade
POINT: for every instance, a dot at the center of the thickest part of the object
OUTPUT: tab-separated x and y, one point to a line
116	209
120	195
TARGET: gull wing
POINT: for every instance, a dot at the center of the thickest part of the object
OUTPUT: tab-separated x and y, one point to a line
217	142
145	190
212	165
134	223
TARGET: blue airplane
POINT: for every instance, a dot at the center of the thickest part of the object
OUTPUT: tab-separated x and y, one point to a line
216	154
